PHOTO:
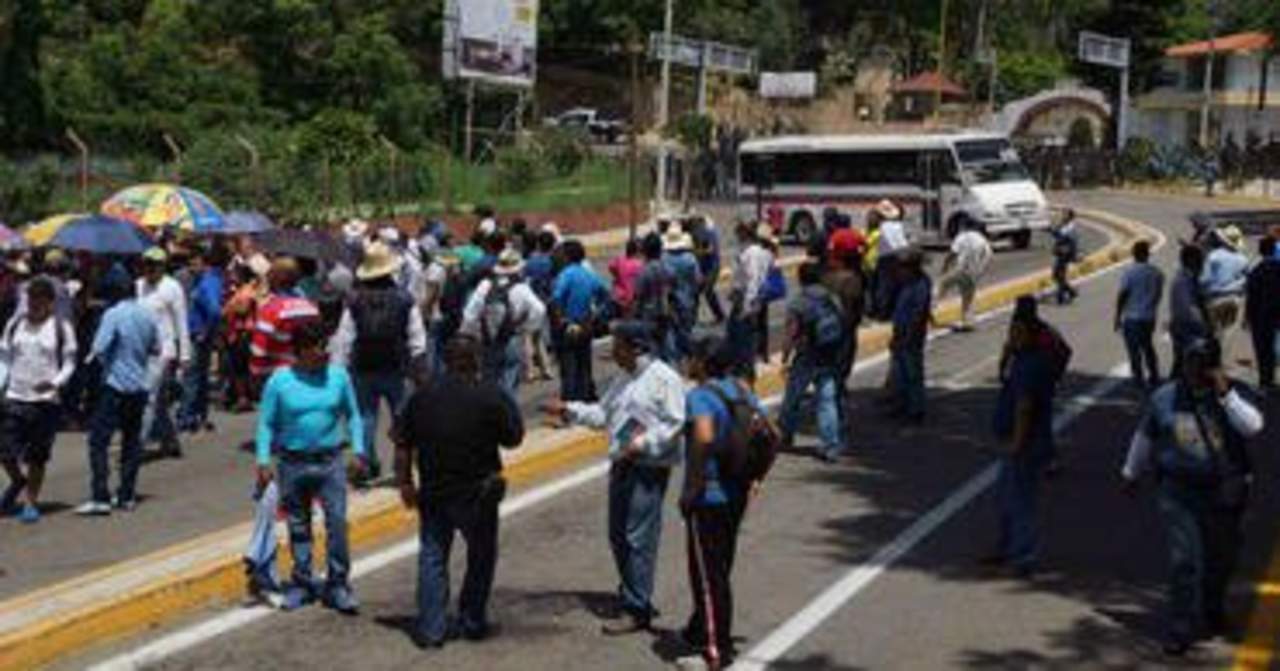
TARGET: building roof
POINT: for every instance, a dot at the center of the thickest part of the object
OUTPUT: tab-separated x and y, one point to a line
929	82
1238	43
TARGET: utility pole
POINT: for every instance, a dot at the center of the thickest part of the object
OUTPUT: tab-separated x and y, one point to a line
83	148
632	148
1206	105
664	107
942	63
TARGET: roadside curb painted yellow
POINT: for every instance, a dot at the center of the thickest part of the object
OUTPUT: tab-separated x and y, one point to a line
221	581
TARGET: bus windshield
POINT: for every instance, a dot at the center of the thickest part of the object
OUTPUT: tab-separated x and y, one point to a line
990	162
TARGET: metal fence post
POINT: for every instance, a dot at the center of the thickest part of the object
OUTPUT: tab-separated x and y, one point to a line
83	148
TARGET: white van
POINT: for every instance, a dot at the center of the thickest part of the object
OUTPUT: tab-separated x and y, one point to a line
941	180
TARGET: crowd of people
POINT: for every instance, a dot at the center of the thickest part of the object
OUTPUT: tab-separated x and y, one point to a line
447	330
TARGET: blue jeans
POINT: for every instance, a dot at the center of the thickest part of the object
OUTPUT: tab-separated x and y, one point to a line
476	518
371	388
636	495
123	411
576	382
158	417
908	379
195	386
1138	340
1204	541
504	366
301	482
1018	486
823	378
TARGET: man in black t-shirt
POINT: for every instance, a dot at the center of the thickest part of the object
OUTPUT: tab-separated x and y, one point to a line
454	427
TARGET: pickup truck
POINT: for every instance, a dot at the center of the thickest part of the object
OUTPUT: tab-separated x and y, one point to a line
589	121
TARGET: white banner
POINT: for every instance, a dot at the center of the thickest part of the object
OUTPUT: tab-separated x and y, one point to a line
788	84
497	40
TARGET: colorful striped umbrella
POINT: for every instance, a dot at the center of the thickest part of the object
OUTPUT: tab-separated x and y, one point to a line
165	206
41	232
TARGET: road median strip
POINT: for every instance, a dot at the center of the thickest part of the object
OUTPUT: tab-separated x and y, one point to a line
146	592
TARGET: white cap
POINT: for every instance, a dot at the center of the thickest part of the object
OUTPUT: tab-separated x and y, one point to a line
488	226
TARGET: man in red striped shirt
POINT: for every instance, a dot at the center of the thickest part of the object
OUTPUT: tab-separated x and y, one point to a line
278	317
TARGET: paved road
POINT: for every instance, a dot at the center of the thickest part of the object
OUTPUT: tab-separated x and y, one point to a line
889	537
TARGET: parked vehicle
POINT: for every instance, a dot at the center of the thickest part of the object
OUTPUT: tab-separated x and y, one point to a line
589	121
941	181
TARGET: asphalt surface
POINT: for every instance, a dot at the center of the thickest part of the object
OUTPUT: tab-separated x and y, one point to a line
209	488
927	604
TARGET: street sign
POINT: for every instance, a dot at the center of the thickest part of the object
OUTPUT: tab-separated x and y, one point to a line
691	53
788	84
494	41
1104	50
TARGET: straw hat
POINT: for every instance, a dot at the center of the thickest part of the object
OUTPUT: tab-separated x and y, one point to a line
379	261
509	263
389	235
888	209
1232	236
155	255
676	240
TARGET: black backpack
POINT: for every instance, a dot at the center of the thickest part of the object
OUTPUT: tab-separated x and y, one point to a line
381	319
752	445
498	302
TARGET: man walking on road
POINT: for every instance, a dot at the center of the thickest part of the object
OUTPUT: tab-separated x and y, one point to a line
38	349
501	310
278	316
204	321
654	302
452	429
746	302
380	336
304	409
1066	251
1194	435
164	297
1188	317
644	413
1262	311
815	337
1024	425
911	315
1223	281
686	278
127	339
966	263
1137	308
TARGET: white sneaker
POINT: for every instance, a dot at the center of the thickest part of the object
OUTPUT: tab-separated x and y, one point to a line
94	508
127	506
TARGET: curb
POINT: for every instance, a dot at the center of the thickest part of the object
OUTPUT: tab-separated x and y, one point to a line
220	580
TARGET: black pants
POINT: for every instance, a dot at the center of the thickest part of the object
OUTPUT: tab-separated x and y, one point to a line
1264	349
708	293
848	358
712	544
1065	292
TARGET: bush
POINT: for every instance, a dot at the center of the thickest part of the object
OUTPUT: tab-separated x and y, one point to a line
563	151
1134	163
26	190
517	170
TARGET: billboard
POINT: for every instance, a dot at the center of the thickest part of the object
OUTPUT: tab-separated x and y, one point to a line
492	40
788	84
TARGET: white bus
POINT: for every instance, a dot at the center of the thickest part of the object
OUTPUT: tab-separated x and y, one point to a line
940	180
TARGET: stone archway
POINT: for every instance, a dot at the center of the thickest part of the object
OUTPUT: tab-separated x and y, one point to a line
1049	115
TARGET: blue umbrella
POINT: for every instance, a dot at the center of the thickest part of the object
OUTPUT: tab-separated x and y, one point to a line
101	234
243	223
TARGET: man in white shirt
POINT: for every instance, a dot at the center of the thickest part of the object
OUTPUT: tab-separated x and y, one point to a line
749	274
163	296
644	413
39	351
966	263
499	313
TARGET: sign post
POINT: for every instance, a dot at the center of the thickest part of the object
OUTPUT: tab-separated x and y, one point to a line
1112	52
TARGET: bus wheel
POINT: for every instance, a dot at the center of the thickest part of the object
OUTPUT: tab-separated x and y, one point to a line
1021	239
804	228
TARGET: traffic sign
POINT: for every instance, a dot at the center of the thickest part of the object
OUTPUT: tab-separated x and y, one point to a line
1104	50
699	53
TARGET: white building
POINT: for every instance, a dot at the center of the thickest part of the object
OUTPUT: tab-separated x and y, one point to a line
1170	113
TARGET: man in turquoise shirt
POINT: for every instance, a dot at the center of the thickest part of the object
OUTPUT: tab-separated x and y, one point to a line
304	407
